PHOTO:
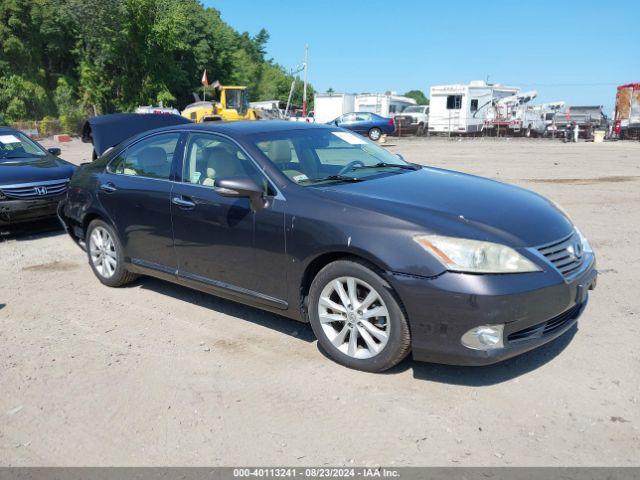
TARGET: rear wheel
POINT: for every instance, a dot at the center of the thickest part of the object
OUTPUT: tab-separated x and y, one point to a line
357	318
106	255
375	133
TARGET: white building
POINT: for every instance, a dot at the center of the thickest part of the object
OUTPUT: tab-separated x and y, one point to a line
460	109
383	104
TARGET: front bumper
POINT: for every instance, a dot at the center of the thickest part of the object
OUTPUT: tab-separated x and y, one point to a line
534	307
19	211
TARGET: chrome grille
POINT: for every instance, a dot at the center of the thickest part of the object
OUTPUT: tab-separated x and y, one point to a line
30	191
565	254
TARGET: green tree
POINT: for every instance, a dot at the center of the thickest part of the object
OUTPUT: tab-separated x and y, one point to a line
418	96
86	57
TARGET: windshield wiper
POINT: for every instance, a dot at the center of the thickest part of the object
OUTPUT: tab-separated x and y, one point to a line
404	166
340	178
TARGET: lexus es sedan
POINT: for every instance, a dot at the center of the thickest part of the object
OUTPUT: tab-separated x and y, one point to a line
381	256
366	124
32	179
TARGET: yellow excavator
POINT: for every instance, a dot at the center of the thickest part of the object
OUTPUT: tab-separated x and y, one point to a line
232	106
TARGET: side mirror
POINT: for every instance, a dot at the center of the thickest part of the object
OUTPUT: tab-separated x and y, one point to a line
54	151
241	187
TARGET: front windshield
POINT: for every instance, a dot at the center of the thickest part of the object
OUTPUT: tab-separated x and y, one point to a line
317	156
18	145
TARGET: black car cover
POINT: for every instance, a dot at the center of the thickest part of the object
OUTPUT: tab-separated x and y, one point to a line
106	131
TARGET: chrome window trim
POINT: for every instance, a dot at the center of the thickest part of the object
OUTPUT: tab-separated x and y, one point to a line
277	196
35	184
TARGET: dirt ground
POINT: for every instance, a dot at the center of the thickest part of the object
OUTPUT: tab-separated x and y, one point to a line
156	374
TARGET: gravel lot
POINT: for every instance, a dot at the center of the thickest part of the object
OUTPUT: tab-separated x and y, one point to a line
156	374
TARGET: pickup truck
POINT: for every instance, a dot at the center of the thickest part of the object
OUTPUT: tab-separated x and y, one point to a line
413	119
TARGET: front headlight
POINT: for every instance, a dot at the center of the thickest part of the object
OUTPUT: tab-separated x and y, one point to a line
586	246
474	256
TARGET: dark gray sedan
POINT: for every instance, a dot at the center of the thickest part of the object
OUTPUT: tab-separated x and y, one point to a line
313	222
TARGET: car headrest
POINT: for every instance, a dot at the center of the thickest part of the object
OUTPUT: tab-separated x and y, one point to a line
220	162
279	151
151	157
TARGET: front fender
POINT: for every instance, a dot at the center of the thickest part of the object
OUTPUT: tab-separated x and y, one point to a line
384	241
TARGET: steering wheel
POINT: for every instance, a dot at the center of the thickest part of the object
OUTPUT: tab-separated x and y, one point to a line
349	166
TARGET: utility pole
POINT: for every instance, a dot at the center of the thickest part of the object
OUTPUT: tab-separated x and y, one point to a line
294	72
304	88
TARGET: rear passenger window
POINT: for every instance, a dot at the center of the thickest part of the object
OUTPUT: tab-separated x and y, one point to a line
150	158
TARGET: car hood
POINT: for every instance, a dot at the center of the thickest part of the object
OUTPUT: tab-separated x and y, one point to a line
28	170
456	204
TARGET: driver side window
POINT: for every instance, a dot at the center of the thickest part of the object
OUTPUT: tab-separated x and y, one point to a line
209	158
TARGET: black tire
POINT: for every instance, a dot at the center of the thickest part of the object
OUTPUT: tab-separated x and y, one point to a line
121	276
399	338
374	134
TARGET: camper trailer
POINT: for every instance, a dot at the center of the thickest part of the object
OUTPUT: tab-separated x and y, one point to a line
461	109
383	104
329	106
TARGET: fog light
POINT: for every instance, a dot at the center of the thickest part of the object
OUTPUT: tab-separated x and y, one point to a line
484	337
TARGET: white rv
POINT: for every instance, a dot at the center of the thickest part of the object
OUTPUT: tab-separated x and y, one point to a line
383	104
460	109
329	106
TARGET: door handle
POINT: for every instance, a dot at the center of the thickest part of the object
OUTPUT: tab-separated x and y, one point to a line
108	187
182	203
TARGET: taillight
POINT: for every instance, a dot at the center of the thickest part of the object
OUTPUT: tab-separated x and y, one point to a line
391	121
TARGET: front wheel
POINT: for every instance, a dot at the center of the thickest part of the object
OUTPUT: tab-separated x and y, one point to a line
375	133
106	255
357	318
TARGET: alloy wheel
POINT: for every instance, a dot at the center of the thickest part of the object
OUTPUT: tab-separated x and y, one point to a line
375	134
354	317
103	252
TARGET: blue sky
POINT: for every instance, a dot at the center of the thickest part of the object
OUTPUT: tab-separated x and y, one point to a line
571	50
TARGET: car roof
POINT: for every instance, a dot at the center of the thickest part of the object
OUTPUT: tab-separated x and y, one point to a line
251	127
5	129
